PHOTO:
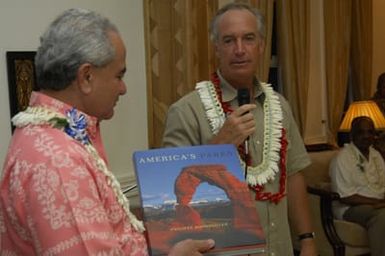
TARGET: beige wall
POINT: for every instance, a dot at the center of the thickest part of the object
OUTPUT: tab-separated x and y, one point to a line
378	40
22	22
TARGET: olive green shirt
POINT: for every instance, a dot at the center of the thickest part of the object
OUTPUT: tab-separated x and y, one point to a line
187	124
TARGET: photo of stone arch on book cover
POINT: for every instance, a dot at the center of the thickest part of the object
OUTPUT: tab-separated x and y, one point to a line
206	197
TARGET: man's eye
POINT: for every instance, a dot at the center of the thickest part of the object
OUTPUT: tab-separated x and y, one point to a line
227	40
250	38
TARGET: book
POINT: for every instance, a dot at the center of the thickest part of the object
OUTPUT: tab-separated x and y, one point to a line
197	192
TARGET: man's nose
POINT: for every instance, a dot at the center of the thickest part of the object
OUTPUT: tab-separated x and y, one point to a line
239	46
123	88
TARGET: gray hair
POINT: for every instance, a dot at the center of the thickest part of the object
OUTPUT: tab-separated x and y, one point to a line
76	37
214	33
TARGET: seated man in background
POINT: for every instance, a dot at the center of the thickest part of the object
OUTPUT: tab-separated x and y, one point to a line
379	144
358	176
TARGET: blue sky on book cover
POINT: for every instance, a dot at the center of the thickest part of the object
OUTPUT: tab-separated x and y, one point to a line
157	176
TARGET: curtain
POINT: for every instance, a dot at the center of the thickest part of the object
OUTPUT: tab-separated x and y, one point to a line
178	54
266	7
361	53
337	18
293	54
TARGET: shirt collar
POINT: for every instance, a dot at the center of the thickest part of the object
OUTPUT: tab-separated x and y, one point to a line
229	93
43	100
357	150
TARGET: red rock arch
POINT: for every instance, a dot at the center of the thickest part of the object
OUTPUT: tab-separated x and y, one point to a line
244	211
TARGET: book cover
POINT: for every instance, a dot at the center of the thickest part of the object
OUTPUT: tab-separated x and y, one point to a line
197	192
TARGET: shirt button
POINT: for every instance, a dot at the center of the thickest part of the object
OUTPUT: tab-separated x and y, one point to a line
272	254
272	224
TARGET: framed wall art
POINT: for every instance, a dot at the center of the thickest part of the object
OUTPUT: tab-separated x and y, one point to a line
21	79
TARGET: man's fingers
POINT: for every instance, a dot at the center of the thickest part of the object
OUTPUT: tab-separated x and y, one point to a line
191	247
244	109
238	126
204	245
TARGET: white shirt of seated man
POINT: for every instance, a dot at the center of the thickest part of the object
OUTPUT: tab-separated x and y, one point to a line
352	173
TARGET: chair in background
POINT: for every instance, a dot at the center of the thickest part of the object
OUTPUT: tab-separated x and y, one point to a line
333	236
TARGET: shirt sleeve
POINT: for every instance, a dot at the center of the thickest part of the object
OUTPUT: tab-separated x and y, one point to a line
341	175
297	156
186	123
179	129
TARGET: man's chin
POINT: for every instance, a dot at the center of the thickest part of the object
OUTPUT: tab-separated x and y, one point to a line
243	73
108	116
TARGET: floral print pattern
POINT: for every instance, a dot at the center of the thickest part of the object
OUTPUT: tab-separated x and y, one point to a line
53	199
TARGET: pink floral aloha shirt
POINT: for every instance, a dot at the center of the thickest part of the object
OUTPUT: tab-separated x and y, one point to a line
53	199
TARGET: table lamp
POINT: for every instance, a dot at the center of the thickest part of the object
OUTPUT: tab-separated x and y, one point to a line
363	108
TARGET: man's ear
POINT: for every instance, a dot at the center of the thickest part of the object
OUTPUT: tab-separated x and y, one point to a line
261	46
84	78
216	49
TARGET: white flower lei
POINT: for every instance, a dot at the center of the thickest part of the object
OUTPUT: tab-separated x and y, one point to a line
40	116
266	170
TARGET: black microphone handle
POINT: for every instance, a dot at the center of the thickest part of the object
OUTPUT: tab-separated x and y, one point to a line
244	98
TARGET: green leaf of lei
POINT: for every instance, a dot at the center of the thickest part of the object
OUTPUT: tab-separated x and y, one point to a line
58	122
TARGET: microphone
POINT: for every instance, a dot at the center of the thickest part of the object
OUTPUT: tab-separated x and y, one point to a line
244	98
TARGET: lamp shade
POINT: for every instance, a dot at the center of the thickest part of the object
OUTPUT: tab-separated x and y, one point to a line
363	108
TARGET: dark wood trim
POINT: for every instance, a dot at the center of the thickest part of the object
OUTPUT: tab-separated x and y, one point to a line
21	79
326	199
319	147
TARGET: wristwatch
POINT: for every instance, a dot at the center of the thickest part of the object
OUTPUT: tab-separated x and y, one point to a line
306	235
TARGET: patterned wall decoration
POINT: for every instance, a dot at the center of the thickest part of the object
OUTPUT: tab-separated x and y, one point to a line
21	80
